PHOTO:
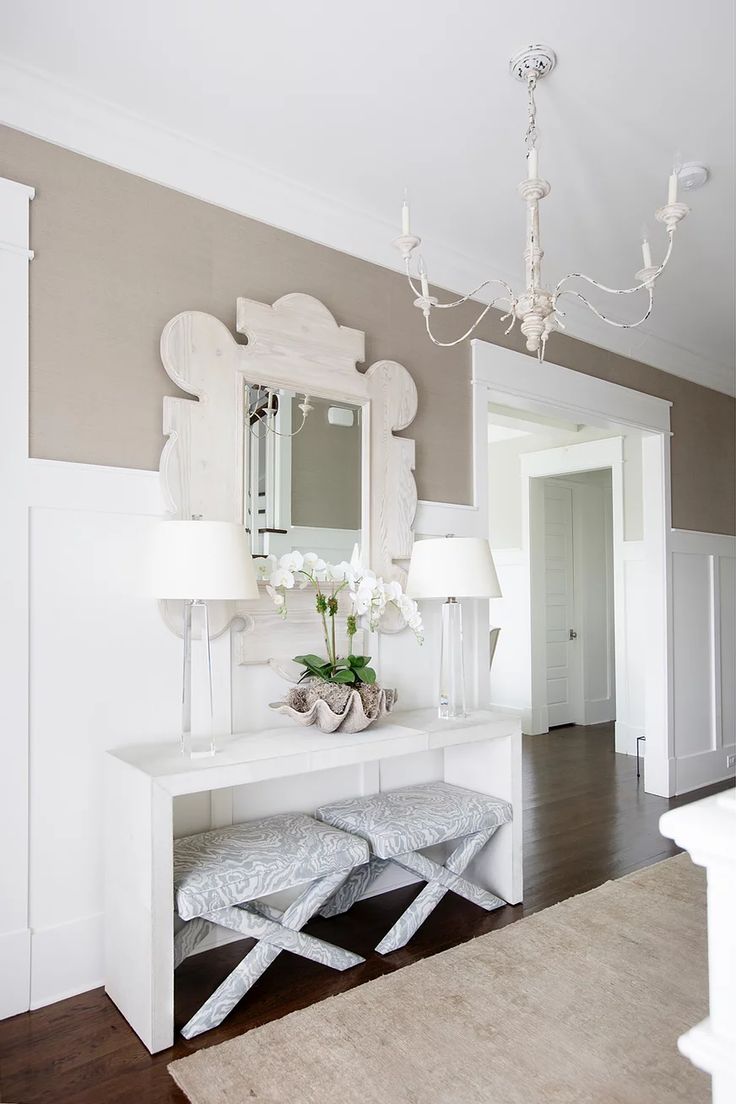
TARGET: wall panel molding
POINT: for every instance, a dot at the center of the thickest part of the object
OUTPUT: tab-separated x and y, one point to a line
15	950
704	633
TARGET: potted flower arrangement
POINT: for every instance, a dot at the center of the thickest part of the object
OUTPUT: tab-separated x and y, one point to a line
338	692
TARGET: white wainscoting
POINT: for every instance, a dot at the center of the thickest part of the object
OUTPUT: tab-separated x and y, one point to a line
704	621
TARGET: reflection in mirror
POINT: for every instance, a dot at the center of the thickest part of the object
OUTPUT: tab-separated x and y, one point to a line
302	468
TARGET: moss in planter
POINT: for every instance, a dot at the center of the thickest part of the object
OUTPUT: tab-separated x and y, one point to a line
337	695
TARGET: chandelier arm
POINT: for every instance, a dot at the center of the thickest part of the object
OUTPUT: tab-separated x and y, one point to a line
622	291
412	285
474	292
605	318
469	331
465	298
275	432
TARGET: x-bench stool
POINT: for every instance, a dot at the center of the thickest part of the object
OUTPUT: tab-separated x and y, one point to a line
397	825
220	875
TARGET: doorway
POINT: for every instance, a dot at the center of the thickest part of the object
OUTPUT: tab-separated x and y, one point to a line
642	570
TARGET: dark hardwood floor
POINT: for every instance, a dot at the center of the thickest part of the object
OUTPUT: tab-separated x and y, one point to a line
587	819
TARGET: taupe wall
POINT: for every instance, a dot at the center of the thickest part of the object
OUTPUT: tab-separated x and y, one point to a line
117	256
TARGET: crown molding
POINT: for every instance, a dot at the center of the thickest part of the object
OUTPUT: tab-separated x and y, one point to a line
33	102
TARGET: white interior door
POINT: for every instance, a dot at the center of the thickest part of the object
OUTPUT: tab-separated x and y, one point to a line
559	573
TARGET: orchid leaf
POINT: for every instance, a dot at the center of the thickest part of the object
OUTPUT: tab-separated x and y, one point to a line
346	675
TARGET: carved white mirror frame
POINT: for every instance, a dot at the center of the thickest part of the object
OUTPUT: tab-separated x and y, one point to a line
296	344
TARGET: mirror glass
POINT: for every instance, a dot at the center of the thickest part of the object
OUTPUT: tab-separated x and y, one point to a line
302	474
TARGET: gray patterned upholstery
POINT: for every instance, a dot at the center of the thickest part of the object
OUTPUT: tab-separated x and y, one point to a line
228	866
415	817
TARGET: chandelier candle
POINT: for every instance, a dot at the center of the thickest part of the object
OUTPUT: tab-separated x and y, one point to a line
405	225
538	310
646	252
672	189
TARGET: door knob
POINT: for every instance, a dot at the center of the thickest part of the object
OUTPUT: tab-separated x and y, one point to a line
573	634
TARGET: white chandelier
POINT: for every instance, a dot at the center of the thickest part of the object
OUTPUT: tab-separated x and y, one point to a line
537	309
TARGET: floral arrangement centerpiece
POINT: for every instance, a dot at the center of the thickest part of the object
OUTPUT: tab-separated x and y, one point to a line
338	691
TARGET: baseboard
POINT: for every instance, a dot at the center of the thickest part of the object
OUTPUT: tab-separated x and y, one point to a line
694	771
626	735
15	971
66	960
535	722
599	711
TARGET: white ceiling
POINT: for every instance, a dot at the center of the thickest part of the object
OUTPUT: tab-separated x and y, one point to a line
322	111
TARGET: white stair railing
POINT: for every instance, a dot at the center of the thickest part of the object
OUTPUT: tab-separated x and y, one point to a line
707	830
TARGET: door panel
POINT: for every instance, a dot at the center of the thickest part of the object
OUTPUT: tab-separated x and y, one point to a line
560	607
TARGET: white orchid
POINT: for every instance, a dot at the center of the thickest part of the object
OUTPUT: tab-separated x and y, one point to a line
361	598
265	567
314	564
278	599
281	577
341	572
292	561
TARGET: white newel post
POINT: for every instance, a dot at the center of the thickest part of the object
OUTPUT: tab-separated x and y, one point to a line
15	935
707	829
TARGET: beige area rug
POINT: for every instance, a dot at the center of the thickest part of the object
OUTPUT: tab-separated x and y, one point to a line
579	1004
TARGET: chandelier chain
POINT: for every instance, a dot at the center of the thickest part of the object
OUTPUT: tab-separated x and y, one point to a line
530	138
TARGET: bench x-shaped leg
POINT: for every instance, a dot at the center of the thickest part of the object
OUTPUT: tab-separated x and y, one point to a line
354	886
439	880
276	931
189	937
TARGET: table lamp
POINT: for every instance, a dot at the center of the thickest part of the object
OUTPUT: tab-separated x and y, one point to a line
197	562
451	568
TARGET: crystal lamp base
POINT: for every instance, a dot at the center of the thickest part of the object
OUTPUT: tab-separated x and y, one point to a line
452	674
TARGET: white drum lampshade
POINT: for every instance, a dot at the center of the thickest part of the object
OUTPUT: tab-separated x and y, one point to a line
199	562
457	567
452	568
204	560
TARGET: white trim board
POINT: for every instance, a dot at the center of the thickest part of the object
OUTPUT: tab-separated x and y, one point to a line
15	943
34	102
704	635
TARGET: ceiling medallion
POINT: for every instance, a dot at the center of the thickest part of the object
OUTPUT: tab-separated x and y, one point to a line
537	309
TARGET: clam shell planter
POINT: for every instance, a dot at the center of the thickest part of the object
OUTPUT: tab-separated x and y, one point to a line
307	708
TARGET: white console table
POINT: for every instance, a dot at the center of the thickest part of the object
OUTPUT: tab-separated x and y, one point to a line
482	752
